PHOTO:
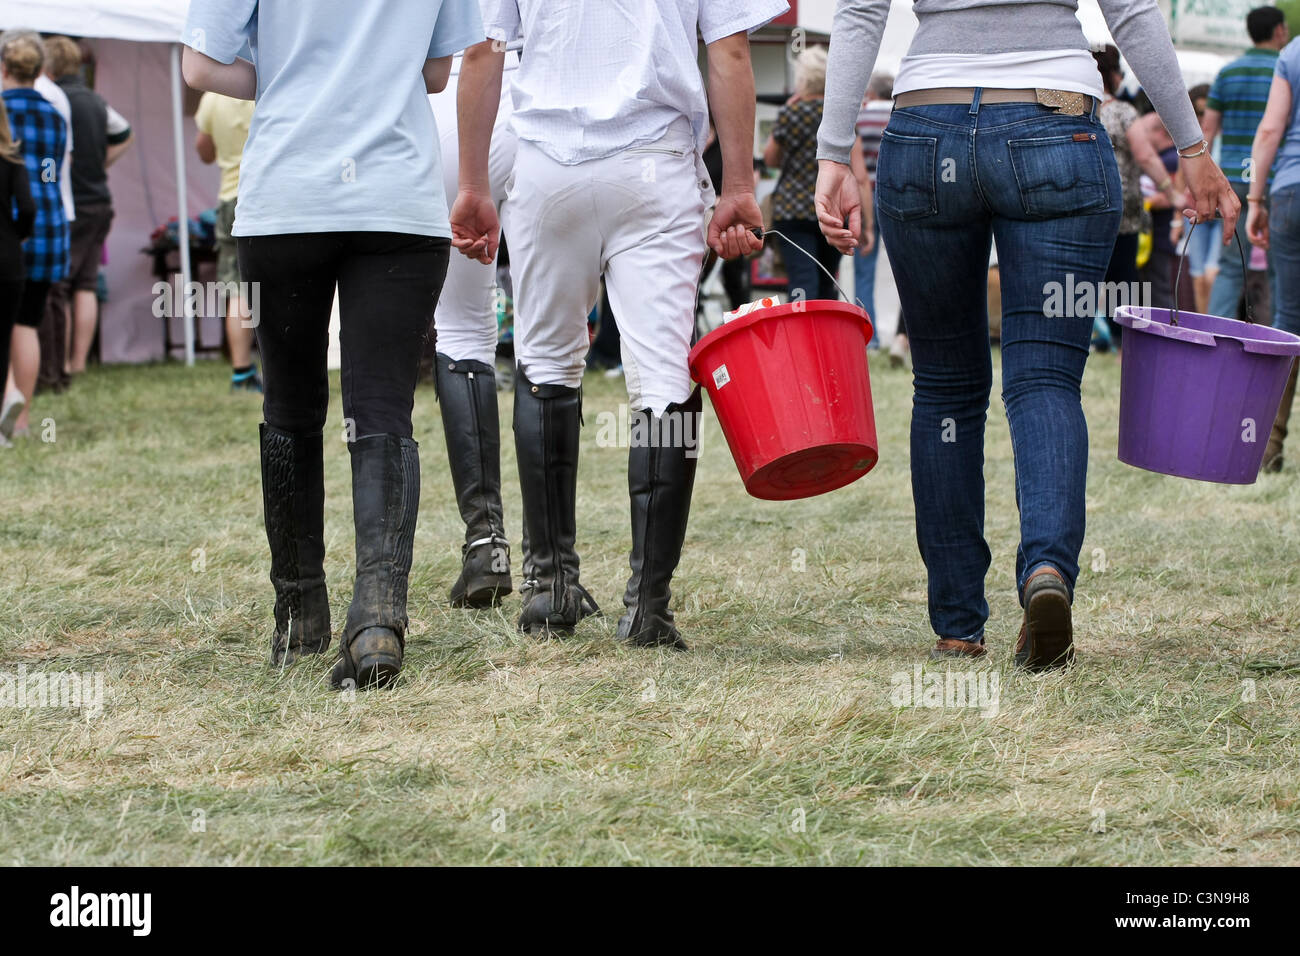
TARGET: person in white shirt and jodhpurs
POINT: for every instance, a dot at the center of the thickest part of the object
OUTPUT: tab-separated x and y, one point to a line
465	324
611	117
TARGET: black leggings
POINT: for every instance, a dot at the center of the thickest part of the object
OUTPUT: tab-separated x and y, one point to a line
388	287
19	302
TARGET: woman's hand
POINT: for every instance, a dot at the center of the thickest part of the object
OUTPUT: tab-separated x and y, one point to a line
1257	225
1210	191
839	201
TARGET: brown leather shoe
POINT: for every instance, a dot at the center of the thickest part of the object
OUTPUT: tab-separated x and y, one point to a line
947	648
1047	634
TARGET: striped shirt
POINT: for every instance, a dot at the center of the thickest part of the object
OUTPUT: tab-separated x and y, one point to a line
871	128
44	137
1240	93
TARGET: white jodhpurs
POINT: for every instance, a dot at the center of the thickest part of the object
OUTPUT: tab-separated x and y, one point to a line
466	317
638	217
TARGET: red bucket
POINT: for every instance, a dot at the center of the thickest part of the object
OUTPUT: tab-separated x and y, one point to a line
792	391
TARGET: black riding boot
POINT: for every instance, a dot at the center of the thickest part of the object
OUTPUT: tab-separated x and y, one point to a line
547	421
660	479
293	507
385	500
467	391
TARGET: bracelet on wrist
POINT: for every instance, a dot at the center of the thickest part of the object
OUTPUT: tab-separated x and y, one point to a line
1201	150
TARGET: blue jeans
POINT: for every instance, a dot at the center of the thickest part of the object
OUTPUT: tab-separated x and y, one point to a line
1228	284
805	280
864	280
950	179
1284	256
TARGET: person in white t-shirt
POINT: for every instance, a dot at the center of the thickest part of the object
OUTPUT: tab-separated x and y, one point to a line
465	361
611	117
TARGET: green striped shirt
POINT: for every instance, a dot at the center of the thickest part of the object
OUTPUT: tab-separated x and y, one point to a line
1240	93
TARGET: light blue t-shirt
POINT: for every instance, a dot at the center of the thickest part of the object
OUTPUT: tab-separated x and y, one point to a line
1286	168
343	138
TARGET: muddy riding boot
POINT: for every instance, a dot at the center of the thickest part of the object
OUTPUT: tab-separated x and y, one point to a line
293	508
467	391
1273	453
385	501
660	479
547	422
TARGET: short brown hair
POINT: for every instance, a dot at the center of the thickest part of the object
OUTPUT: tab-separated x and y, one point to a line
23	54
63	57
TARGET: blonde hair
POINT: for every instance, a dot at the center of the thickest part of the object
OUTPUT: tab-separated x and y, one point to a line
8	146
63	55
23	54
810	72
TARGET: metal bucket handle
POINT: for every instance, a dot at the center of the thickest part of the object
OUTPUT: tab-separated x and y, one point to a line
1245	292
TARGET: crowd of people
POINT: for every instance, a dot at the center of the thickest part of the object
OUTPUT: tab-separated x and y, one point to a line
64	137
1001	126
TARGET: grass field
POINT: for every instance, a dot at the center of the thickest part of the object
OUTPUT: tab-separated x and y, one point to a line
133	548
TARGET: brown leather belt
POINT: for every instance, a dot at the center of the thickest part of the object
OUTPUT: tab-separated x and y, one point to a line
1065	102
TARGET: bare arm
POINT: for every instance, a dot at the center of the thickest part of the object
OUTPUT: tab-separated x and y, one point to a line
436	74
206	148
1268	137
201	72
732	97
114	152
858	164
475	228
1144	152
773	153
1211	124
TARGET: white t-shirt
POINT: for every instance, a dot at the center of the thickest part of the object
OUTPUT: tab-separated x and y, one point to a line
59	100
600	76
1073	70
343	139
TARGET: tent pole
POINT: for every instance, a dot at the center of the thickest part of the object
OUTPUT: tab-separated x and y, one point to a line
182	208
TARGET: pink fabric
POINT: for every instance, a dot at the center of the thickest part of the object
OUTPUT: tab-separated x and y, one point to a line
135	78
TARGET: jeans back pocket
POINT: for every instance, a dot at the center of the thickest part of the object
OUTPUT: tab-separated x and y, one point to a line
1059	175
905	187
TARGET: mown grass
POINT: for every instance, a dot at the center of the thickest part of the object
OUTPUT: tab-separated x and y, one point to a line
132	546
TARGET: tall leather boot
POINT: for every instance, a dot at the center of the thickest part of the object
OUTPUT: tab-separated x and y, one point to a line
547	421
1273	453
293	508
467	391
660	479
385	501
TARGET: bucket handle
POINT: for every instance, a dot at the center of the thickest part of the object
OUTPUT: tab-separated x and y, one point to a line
1182	260
775	232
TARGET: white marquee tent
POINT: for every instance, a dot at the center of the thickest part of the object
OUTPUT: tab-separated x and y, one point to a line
137	59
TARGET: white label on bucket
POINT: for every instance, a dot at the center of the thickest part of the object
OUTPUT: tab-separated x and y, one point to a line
720	376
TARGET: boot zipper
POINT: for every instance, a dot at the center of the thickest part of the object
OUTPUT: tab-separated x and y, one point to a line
482	462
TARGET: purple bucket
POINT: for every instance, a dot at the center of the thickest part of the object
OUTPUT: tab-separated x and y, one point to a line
1197	399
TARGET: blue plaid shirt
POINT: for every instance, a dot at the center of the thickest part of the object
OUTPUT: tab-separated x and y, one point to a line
44	136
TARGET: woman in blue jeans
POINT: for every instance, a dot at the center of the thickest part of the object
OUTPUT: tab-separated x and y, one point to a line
1276	227
995	136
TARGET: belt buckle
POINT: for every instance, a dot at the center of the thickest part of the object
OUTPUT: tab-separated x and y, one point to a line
1064	102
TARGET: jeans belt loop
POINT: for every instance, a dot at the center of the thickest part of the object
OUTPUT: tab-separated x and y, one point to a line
975	100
